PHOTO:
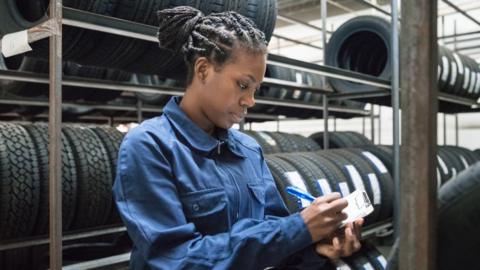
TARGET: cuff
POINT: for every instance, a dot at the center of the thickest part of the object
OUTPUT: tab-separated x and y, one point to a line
296	232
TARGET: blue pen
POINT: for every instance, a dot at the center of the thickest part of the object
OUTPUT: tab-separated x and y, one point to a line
301	194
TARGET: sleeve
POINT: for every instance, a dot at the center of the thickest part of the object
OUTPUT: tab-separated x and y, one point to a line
275	208
150	207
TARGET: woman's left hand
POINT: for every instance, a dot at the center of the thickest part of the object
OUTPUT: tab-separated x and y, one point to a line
342	243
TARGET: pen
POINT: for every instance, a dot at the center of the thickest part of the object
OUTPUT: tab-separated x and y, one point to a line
301	194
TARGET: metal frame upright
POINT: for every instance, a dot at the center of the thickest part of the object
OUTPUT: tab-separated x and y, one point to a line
54	130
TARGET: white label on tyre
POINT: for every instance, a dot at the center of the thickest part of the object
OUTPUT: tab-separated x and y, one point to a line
376	162
439	179
446	68
343	186
453	78
267	138
355	176
296	180
377	194
464	161
477	87
459	63
473	82
298	79
368	266
439	70
454	172
382	261
442	165
324	186
466	80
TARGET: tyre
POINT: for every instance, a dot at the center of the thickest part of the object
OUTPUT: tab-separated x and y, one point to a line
39	134
153	80
286	175
94	177
111	139
458	221
359	261
285	144
20	185
309	173
385	157
335	177
366	51
376	259
334	140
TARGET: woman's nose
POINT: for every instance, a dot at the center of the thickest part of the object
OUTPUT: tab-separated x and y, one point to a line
248	100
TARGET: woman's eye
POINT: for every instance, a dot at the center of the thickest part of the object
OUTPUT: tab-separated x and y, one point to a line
243	86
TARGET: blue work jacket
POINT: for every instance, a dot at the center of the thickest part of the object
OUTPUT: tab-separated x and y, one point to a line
190	200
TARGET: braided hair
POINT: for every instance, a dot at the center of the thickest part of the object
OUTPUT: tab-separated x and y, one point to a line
187	31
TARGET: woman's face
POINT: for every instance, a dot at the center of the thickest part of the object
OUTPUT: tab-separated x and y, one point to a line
229	92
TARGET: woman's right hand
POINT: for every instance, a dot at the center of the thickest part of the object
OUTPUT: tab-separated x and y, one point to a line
324	215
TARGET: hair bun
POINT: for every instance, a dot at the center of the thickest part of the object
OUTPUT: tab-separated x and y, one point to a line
176	25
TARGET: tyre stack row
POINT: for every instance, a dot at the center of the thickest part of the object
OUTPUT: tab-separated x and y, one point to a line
107	50
341	139
88	171
361	45
339	170
304	96
451	160
281	142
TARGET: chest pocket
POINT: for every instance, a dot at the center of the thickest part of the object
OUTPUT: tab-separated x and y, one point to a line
257	191
207	209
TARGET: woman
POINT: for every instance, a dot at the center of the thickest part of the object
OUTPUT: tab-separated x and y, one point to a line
196	194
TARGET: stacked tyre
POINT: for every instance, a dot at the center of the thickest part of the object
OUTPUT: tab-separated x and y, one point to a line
88	170
362	45
451	160
341	139
343	171
304	96
107	50
280	142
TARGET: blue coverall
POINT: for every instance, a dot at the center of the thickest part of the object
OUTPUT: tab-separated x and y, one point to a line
192	201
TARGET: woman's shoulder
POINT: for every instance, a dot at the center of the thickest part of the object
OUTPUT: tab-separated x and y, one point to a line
245	140
156	131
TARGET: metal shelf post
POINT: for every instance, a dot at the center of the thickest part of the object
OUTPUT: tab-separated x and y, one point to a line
396	114
54	130
418	194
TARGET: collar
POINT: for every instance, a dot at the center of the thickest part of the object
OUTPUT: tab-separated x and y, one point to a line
196	137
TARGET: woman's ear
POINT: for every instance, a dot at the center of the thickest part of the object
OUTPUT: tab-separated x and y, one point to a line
202	69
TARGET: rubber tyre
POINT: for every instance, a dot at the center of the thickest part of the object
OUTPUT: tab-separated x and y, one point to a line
94	177
39	135
111	139
20	185
458	221
307	170
278	168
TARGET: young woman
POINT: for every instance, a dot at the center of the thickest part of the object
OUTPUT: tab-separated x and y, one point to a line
196	194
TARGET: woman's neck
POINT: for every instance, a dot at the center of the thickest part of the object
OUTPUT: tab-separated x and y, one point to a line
193	110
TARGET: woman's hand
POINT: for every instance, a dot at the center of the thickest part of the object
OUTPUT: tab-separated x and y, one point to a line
342	244
324	215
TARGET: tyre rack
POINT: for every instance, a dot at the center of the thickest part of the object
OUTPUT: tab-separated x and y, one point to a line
62	15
